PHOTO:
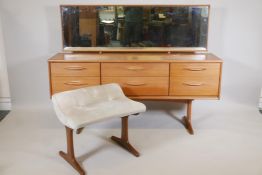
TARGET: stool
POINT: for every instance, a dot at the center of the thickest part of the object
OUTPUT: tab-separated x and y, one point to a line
78	108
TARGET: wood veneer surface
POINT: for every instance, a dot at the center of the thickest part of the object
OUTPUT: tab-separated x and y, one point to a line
133	57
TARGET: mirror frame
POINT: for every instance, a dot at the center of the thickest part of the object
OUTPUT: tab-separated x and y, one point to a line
136	49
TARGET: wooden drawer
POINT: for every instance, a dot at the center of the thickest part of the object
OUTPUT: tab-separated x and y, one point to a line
60	84
134	86
75	69
194	86
135	69
195	69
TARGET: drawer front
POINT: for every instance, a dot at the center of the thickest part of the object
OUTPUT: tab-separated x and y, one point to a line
135	69
195	69
134	86
75	69
194	86
60	84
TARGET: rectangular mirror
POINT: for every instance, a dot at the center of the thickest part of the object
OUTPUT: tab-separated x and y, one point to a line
150	27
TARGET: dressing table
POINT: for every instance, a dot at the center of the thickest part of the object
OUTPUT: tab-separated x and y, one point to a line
180	77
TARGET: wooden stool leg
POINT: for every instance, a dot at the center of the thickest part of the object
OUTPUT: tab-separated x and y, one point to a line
79	130
70	155
187	119
123	141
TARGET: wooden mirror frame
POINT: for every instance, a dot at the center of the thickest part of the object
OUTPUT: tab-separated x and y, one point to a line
136	49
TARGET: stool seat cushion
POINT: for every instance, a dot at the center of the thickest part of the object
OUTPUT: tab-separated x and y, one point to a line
80	107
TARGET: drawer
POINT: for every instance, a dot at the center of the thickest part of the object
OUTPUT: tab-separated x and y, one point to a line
135	69
195	69
194	86
75	69
134	86
60	84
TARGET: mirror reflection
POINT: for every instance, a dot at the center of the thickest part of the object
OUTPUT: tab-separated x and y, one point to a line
135	26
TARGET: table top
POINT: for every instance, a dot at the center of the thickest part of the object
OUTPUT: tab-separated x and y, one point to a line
134	57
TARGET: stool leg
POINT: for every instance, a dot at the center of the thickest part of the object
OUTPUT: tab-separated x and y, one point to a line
123	141
70	155
79	130
187	119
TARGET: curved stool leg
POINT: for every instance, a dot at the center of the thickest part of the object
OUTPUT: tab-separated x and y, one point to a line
70	155
123	141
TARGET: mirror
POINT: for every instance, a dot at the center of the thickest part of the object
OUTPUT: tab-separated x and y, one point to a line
86	26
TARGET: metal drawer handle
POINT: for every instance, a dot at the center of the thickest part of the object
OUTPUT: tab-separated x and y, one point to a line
193	84
195	68
75	68
135	84
75	83
135	68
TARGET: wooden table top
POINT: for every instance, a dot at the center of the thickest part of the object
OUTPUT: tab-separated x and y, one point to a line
134	57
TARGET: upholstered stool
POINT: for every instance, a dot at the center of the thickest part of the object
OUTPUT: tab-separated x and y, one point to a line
78	108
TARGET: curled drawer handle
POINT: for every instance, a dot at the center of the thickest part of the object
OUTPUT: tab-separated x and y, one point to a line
193	84
135	84
75	83
195	69
135	68
75	68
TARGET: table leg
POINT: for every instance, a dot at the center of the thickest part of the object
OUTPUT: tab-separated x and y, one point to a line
187	119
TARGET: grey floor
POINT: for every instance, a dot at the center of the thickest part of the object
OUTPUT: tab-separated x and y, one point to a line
227	141
3	114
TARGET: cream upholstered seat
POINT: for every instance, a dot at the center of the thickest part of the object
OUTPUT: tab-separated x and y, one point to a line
80	107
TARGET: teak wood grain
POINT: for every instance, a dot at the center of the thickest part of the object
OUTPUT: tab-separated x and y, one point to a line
135	69
136	86
195	69
60	84
135	57
194	86
75	69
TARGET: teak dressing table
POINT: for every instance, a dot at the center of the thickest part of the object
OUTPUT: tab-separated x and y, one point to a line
180	77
